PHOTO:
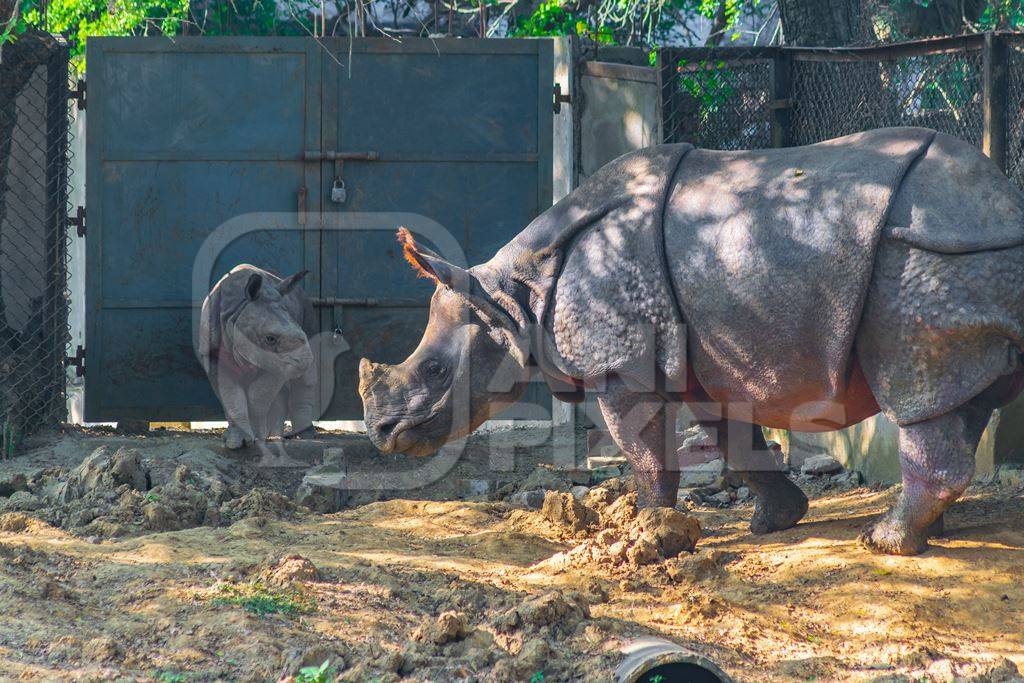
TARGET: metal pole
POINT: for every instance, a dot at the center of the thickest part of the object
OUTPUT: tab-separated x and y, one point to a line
781	104
994	98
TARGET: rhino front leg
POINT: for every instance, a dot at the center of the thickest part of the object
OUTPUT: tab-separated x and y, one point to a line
301	394
937	458
643	426
779	503
236	410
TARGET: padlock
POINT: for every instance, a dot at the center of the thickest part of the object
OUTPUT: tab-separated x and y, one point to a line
338	192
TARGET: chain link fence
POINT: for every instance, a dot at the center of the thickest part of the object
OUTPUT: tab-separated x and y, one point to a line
971	87
34	301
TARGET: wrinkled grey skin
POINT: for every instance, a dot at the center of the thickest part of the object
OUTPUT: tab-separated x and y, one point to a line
936	344
254	344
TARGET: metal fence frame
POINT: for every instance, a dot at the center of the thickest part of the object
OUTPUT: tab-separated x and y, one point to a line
34	179
772	97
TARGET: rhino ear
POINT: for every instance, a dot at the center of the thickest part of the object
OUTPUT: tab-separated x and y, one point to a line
289	283
429	265
253	286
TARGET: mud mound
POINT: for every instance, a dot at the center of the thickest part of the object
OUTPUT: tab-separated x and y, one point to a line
628	536
289	569
260	502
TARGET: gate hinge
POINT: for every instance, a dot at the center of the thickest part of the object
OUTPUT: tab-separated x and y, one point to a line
560	99
77	360
78	94
78	220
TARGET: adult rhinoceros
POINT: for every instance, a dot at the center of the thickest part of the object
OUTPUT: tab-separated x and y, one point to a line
803	288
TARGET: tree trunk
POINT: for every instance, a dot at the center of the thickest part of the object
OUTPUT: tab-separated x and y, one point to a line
821	23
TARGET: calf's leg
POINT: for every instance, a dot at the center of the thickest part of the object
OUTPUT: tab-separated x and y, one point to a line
643	426
937	459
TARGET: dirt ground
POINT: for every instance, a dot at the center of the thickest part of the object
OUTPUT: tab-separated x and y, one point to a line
133	568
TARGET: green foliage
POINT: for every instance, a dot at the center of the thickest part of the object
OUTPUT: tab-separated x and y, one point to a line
537	677
325	673
262	600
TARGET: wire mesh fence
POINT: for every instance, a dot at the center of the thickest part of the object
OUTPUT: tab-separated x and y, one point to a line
33	235
971	87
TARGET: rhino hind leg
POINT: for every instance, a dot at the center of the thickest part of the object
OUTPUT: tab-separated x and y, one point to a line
937	459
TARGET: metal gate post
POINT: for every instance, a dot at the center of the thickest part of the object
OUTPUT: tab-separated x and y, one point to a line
781	105
994	97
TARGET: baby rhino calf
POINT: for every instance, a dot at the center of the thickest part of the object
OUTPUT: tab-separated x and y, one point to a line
254	345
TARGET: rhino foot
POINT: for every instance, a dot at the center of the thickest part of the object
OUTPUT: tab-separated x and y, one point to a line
307	433
780	503
234	438
892	536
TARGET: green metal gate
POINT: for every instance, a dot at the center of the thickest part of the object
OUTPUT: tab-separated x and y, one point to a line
203	153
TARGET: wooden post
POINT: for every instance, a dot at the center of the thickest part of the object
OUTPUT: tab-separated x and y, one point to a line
994	97
781	105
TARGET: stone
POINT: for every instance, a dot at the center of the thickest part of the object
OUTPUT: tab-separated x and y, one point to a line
704	474
720	498
322	489
742	494
847	479
528	500
818	465
579	492
642	552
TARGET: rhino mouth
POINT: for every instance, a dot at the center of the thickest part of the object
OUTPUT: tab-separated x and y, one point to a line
393	434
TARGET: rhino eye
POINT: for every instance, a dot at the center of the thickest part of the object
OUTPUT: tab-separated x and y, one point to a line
434	369
271	339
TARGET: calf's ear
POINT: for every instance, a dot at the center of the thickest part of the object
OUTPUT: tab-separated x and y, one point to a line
289	283
253	286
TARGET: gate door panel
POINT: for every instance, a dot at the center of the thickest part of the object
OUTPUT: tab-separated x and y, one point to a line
435	135
183	138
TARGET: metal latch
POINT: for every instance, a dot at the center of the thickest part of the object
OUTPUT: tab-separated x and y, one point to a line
78	220
78	94
77	360
338	192
560	99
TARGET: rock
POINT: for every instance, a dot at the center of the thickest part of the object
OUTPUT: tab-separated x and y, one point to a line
669	531
22	501
720	498
742	494
818	465
322	489
448	627
1011	477
847	479
533	657
474	487
529	500
703	474
579	492
103	470
564	510
291	569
